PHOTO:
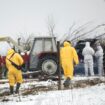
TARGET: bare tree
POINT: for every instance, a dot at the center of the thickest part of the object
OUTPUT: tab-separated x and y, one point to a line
25	42
83	35
66	35
72	32
51	29
51	25
79	29
82	32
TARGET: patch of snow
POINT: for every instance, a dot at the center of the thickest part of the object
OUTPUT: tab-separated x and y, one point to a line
85	96
91	95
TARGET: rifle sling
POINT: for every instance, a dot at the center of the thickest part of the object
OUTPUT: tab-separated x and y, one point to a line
15	65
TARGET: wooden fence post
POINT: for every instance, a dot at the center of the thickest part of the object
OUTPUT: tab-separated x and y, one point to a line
59	68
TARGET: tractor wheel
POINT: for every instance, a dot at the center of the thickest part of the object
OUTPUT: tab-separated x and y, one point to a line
48	65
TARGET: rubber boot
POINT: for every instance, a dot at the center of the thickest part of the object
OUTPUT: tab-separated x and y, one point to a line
67	82
17	88
11	90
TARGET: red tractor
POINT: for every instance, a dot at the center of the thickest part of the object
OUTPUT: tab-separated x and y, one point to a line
43	56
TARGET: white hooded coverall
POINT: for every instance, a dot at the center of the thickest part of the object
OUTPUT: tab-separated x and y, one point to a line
88	53
99	57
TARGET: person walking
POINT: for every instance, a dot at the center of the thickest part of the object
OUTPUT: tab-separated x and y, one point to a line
14	73
88	53
99	57
69	58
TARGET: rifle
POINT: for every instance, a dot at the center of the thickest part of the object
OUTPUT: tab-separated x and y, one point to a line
15	65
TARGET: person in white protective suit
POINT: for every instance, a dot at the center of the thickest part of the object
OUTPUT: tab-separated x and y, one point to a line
99	57
88	53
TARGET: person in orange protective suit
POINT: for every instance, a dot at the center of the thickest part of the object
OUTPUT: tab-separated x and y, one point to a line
14	74
69	58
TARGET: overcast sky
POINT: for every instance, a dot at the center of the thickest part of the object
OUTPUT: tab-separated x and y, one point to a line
19	16
30	16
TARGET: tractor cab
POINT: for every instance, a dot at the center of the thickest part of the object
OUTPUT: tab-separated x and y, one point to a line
43	55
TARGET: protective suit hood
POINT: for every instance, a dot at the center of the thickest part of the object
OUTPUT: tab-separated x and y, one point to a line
66	44
10	51
99	48
87	44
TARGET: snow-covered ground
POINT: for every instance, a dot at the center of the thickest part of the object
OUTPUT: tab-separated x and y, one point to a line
90	95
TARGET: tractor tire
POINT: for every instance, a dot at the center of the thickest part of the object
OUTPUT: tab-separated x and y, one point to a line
49	65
